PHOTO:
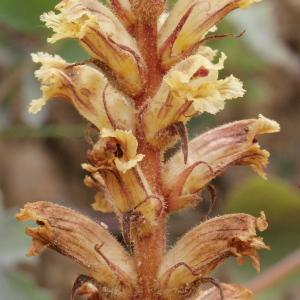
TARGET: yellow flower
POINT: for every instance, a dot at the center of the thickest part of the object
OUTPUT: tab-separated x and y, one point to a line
103	36
86	88
190	88
187	25
125	148
127	157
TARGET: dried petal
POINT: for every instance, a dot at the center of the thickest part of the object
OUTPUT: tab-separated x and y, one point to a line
86	88
205	247
190	88
187	25
103	36
76	236
210	153
231	292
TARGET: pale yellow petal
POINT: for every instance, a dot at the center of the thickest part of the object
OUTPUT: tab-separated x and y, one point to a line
190	88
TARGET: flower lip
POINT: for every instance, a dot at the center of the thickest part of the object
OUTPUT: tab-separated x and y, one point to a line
116	148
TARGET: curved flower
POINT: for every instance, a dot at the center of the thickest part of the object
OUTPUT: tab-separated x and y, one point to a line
86	88
103	36
210	153
78	238
202	249
190	88
187	25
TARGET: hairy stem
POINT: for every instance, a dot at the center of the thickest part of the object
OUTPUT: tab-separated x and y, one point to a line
146	33
149	250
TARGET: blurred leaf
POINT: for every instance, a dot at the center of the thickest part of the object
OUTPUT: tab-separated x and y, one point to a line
24	16
47	131
15	286
278	200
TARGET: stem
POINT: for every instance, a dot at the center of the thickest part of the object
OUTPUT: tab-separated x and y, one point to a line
275	273
146	35
149	250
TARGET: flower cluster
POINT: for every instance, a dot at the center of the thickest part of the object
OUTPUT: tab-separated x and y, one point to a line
148	75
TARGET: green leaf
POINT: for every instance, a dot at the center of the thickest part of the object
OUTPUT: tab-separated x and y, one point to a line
24	16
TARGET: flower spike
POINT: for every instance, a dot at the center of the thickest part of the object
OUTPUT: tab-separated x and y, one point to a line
150	72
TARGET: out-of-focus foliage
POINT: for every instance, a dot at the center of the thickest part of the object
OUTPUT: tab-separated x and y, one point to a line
25	19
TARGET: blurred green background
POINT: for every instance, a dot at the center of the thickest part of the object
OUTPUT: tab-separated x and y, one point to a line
40	155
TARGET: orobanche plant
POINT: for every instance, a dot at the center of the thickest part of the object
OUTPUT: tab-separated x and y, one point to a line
148	75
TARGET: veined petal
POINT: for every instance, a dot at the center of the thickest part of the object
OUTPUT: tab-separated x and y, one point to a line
230	291
187	25
122	8
210	153
86	88
190	88
103	36
78	237
205	247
